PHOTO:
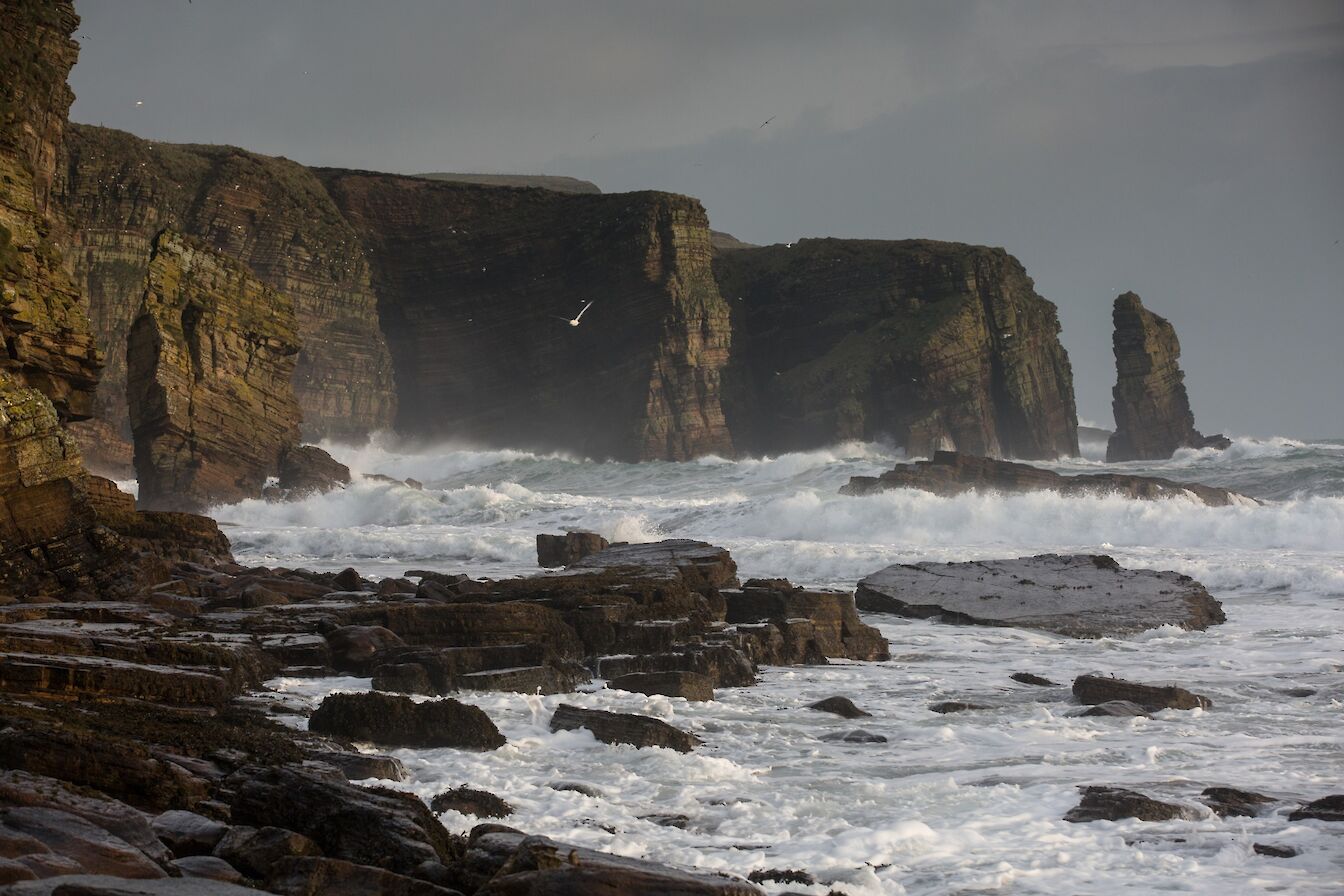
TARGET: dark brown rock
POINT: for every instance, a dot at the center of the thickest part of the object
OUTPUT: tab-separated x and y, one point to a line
1152	410
359	766
400	721
206	867
93	849
623	728
562	550
690	685
1327	808
188	834
835	625
307	470
1115	709
931	344
468	801
841	706
949	473
367	826
1116	803
698	564
855	736
1275	851
1082	596
1032	679
1229	801
1094	689
355	648
254	850
949	706
313	876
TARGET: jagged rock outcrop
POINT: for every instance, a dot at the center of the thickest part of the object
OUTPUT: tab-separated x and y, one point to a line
209	363
950	473
1152	410
273	215
934	345
476	286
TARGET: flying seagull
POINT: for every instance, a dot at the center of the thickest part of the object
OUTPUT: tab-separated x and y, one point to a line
767	121
577	317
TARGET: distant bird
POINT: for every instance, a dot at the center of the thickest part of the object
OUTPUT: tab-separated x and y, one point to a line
139	102
592	138
767	121
578	317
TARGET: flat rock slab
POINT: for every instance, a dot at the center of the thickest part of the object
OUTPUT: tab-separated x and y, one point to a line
1079	595
78	676
698	562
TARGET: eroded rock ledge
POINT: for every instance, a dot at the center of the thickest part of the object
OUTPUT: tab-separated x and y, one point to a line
950	473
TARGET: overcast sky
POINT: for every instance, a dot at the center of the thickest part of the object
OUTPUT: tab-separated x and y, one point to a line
1192	152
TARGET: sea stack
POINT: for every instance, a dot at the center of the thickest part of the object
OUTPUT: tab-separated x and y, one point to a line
1152	410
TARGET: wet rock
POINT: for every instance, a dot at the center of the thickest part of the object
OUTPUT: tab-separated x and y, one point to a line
403	678
519	865
840	706
361	766
677	821
726	665
834	629
1082	596
1094	689
1118	709
92	849
91	676
950	706
400	721
1229	801
623	728
313	876
690	685
949	473
19	788
207	867
355	647
699	564
367	826
188	834
1117	803
348	579
468	801
308	470
1327	808
781	876
857	736
1275	851
1030	678
578	787
562	550
1152	409
254	850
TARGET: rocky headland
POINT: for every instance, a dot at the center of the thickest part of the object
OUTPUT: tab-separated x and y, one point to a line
1152	410
927	344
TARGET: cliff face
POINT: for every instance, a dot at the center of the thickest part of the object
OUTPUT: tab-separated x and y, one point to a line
934	345
210	358
1152	410
476	286
62	532
274	216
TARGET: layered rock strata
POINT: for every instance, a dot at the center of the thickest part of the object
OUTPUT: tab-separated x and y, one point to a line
949	473
270	214
210	358
477	287
1152	411
932	345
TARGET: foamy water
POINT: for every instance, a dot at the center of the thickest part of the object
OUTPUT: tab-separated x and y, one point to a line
971	802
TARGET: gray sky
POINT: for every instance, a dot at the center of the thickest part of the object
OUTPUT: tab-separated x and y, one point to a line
1192	152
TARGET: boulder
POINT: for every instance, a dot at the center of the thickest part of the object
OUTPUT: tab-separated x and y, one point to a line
1032	679
90	848
1117	803
354	648
1116	709
468	801
399	721
573	546
108	885
1152	409
1081	595
840	706
1229	801
856	736
254	850
188	834
360	766
691	685
315	876
207	867
1094	689
623	728
949	473
307	470
1274	850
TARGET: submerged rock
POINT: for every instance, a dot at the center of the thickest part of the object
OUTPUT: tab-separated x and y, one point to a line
1097	689
623	728
1082	596
840	706
1152	409
1117	803
469	801
1229	801
950	473
1327	808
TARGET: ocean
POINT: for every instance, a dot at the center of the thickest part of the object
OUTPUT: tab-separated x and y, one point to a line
965	803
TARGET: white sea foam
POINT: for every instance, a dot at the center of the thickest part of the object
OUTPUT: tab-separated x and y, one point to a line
971	802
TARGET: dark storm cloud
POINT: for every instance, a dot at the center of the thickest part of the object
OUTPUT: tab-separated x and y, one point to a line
1189	152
